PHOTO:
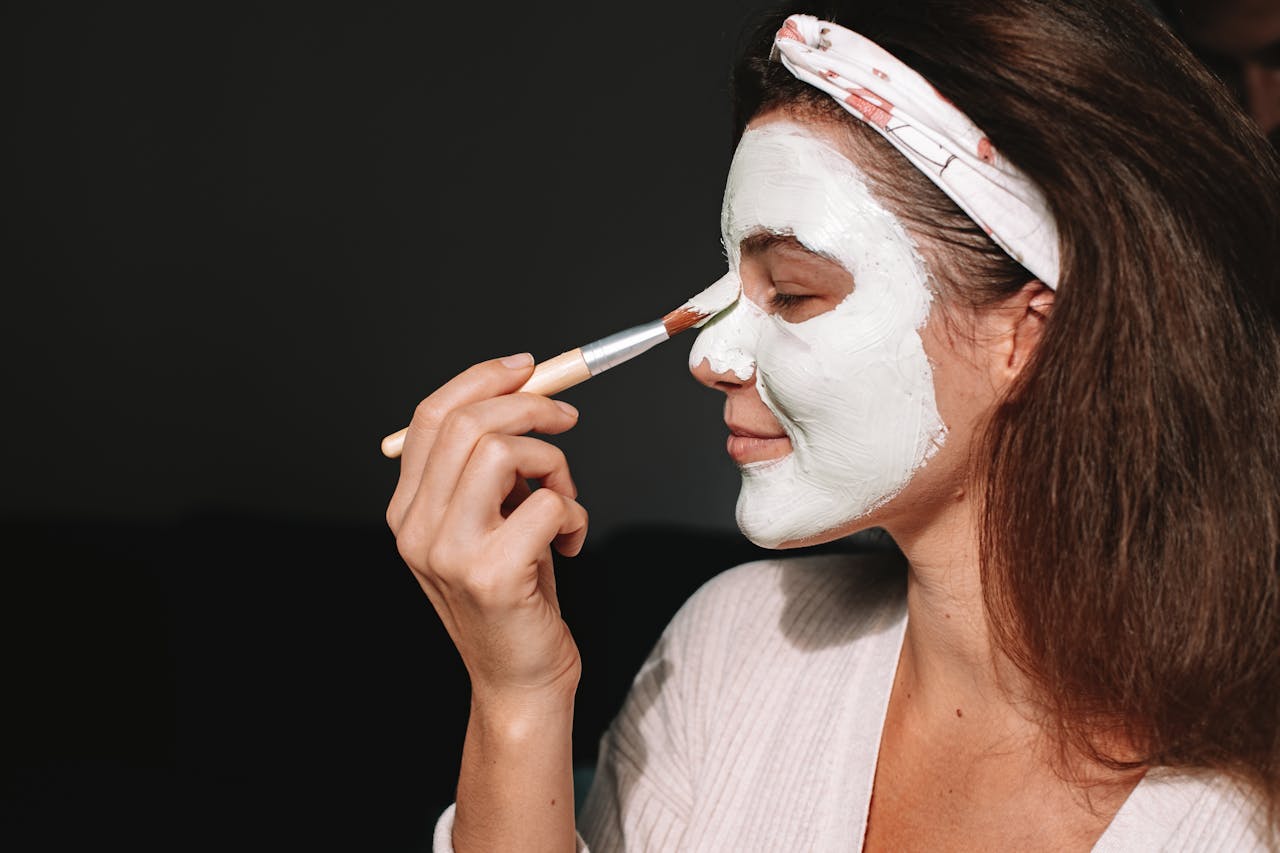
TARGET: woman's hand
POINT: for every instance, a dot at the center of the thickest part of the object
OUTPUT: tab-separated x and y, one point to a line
478	539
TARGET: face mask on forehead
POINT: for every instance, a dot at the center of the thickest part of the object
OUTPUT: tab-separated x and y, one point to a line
851	387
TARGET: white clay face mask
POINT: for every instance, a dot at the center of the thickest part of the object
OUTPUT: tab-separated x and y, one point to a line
851	387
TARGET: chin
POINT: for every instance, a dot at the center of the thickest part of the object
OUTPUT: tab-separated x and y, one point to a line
792	502
764	539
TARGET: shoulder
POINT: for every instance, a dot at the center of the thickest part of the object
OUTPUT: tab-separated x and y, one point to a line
1188	810
791	607
815	591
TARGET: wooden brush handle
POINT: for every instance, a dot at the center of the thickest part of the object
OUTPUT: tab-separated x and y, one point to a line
556	374
549	377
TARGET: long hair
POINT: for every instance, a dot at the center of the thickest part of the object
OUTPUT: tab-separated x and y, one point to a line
1130	479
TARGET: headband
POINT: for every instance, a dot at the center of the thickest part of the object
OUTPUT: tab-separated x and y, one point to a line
930	131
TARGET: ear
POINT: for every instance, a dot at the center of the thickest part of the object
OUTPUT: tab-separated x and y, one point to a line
1025	315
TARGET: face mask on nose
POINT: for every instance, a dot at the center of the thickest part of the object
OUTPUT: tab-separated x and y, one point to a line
851	387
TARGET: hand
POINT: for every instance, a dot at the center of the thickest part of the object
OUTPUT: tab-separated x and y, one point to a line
479	540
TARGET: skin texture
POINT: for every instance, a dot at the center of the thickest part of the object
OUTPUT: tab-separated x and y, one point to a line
959	753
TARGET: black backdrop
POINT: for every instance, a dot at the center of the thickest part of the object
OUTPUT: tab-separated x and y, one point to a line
245	242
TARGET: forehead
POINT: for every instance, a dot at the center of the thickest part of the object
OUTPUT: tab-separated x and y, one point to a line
777	144
829	132
792	179
783	157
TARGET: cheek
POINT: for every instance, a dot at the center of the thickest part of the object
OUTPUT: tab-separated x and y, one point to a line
798	378
854	390
838	365
964	392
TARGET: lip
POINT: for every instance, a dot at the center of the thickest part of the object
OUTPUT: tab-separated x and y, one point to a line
752	433
747	446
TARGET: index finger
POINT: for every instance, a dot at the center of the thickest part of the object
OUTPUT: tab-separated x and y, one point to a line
491	378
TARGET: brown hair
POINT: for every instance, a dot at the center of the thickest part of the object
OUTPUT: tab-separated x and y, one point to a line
1130	538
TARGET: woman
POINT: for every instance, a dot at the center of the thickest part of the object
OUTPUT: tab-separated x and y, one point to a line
1077	453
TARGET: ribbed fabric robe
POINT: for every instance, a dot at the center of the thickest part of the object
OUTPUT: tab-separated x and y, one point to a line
755	725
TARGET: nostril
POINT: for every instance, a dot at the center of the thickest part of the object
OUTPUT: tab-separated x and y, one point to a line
717	373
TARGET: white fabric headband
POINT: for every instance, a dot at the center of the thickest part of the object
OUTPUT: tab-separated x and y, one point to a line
936	137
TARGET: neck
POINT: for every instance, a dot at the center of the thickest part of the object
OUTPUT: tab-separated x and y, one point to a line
952	684
949	669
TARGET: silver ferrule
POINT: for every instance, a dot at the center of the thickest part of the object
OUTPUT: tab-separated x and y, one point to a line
623	346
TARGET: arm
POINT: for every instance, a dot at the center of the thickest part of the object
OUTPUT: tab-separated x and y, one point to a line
516	783
479	542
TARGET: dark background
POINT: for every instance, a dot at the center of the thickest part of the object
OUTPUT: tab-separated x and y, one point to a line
245	243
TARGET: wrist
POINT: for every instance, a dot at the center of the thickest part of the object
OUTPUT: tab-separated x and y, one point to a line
513	713
551	695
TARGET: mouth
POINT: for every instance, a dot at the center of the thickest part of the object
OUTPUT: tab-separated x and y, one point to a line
747	446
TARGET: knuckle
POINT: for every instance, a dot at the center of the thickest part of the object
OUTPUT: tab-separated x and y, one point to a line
558	458
547	502
460	423
429	413
411	545
440	556
486	588
493	450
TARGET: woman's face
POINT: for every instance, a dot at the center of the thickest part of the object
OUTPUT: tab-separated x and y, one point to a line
842	406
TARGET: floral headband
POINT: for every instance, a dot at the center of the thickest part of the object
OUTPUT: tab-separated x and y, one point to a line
930	131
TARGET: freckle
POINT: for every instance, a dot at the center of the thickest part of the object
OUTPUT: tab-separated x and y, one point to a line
958	714
553	802
948	615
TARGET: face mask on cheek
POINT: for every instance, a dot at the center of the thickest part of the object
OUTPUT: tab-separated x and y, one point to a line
852	387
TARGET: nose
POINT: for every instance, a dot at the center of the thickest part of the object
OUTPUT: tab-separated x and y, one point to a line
723	355
726	380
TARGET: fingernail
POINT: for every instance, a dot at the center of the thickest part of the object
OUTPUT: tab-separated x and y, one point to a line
567	409
523	359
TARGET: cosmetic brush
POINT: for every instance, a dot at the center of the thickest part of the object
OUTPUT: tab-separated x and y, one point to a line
578	365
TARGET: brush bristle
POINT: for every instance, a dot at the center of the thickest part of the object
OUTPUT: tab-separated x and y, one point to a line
680	319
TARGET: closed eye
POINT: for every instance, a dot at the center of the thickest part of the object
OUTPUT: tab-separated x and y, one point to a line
779	301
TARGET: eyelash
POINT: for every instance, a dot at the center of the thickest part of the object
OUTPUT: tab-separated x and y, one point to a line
779	301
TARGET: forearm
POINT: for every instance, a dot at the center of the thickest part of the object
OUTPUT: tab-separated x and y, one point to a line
515	789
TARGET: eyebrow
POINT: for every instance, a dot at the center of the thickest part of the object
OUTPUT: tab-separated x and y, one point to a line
762	241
